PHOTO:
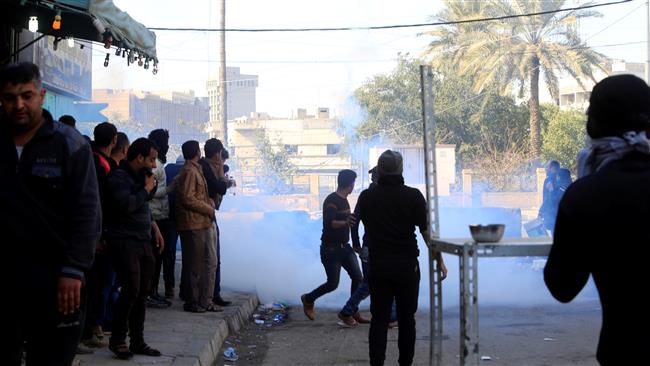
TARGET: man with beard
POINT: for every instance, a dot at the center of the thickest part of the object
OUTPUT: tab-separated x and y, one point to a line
128	234
50	221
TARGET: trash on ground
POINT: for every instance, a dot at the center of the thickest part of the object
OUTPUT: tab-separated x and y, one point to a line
486	358
549	339
230	355
259	321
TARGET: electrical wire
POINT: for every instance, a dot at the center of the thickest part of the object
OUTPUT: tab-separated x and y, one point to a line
394	26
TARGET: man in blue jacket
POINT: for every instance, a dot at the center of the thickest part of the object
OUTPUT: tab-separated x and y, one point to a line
50	220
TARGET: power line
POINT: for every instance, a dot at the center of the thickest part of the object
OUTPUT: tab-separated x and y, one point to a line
394	26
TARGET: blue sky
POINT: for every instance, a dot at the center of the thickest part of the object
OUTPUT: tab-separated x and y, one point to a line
311	69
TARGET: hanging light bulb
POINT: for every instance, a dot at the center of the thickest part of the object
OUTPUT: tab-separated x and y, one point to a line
106	59
146	63
70	42
33	24
56	24
117	52
155	67
108	40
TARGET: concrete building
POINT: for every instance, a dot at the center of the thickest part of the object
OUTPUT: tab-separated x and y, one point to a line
315	149
181	113
240	95
574	96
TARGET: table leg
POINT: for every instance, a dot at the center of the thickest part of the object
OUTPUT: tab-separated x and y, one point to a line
435	306
468	263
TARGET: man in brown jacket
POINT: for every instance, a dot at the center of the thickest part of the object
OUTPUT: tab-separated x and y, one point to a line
195	222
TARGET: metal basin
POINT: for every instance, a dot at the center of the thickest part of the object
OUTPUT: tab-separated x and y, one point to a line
487	233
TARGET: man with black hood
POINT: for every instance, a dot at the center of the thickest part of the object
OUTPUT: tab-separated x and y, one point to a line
50	222
390	212
602	223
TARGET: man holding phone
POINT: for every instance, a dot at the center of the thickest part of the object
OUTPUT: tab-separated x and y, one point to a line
128	232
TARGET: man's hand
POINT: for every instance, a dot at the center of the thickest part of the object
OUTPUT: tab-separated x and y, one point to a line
69	295
443	269
352	220
149	183
160	242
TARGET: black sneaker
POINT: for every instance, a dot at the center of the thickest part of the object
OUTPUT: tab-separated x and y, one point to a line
221	302
161	299
144	349
121	351
153	303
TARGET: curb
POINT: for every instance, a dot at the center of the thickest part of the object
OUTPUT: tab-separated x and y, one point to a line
234	320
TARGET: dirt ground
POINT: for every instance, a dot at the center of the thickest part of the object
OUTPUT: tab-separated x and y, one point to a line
557	334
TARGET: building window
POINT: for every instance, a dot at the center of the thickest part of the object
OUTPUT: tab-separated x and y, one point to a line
333	149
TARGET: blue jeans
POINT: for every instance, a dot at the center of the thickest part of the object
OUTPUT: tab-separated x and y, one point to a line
333	258
363	291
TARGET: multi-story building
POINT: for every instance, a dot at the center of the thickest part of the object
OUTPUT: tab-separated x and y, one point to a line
575	96
181	113
240	96
312	142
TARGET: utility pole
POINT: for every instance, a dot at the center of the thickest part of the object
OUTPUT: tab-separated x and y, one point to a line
647	42
223	113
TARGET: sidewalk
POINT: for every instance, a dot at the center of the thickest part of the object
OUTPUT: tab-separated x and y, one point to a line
185	339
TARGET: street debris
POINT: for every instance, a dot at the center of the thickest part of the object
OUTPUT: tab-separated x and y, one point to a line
230	355
271	314
549	339
486	358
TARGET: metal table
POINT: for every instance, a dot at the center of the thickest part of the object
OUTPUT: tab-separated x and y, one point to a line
468	253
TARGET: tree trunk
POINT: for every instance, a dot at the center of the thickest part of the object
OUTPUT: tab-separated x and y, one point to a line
223	115
533	104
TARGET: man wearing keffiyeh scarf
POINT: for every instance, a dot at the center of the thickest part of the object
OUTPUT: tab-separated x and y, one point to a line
602	222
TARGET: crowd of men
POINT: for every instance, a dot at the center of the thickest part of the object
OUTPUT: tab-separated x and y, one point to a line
82	218
90	225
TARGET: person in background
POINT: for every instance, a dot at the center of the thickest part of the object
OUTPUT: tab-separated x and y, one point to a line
121	148
548	209
68	120
160	210
99	278
602	223
169	254
50	219
129	231
390	213
213	171
335	250
195	221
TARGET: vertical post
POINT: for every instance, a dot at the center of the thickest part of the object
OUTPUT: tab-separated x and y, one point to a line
433	229
223	112
647	42
468	267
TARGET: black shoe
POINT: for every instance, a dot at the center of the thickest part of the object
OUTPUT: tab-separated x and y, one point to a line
144	349
161	299
121	351
193	308
153	303
221	302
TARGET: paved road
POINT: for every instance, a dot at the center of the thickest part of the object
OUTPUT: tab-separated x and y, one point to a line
511	336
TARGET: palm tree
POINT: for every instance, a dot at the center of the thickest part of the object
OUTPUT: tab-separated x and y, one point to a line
511	54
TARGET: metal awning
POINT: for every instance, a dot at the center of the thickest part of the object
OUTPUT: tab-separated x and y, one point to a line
91	20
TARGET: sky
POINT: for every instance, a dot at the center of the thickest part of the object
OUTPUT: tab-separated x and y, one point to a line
311	69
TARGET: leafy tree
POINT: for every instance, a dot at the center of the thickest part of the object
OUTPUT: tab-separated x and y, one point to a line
564	135
511	54
278	170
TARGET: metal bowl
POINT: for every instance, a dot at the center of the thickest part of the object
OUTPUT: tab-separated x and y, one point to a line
487	233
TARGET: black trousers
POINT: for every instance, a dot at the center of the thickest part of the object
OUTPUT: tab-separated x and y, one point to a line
216	295
167	260
133	262
31	320
99	279
390	279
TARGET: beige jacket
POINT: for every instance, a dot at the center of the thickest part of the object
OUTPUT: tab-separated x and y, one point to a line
194	210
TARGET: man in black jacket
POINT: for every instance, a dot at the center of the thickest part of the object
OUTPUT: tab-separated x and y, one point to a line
128	234
602	223
50	221
390	212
